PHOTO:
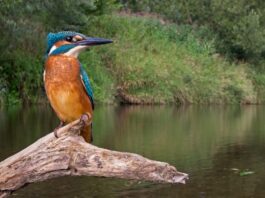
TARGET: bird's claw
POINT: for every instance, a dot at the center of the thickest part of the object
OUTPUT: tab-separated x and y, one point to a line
57	128
84	118
55	133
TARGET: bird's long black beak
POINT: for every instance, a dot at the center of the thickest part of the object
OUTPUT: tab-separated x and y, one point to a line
90	41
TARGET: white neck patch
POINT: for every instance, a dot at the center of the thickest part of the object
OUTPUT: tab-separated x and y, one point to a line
76	51
52	49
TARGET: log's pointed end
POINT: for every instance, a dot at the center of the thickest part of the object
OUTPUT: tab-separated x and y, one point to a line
180	178
169	174
166	173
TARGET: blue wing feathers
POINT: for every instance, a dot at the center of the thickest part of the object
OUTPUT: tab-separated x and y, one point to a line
87	84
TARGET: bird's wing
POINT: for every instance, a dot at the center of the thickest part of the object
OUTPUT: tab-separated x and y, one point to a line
87	85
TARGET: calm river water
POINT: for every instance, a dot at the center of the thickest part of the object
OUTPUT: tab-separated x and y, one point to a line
213	144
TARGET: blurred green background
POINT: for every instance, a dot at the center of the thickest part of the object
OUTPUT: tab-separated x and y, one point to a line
172	51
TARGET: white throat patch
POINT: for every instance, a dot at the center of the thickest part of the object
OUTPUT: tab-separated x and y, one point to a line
52	49
76	51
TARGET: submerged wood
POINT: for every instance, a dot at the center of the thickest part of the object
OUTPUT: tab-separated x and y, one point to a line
51	157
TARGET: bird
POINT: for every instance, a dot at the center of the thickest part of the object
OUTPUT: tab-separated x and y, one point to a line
66	82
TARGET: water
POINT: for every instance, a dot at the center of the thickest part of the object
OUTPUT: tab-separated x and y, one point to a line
210	143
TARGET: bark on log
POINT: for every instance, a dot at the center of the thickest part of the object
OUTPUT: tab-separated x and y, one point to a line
51	157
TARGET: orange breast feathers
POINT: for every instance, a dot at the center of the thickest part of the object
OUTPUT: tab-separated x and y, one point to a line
64	88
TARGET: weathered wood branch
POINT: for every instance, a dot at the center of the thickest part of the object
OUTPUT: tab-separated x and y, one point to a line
51	157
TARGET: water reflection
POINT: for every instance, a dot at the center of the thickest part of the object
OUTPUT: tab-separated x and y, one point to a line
206	142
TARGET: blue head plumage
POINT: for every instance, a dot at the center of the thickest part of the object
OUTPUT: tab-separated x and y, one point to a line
53	38
73	39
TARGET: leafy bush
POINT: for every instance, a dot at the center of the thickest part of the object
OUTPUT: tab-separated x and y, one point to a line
239	25
22	77
24	26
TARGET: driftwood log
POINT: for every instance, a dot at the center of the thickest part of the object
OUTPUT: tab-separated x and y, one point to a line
51	157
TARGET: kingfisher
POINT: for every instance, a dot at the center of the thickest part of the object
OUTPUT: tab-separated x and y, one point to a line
66	82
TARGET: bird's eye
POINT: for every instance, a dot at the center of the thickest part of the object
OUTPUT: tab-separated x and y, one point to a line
69	38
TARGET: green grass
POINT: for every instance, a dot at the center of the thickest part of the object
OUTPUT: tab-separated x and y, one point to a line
155	63
147	63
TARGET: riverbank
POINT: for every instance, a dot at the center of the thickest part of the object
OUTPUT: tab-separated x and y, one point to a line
150	62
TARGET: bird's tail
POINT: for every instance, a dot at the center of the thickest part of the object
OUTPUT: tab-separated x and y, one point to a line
86	132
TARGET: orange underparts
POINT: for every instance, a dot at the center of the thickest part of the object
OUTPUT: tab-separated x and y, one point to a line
65	90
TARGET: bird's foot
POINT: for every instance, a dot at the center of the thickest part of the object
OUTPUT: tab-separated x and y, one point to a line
85	118
57	128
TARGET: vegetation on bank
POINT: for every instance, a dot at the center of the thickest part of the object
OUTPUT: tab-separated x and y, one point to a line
24	26
237	26
150	61
154	63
